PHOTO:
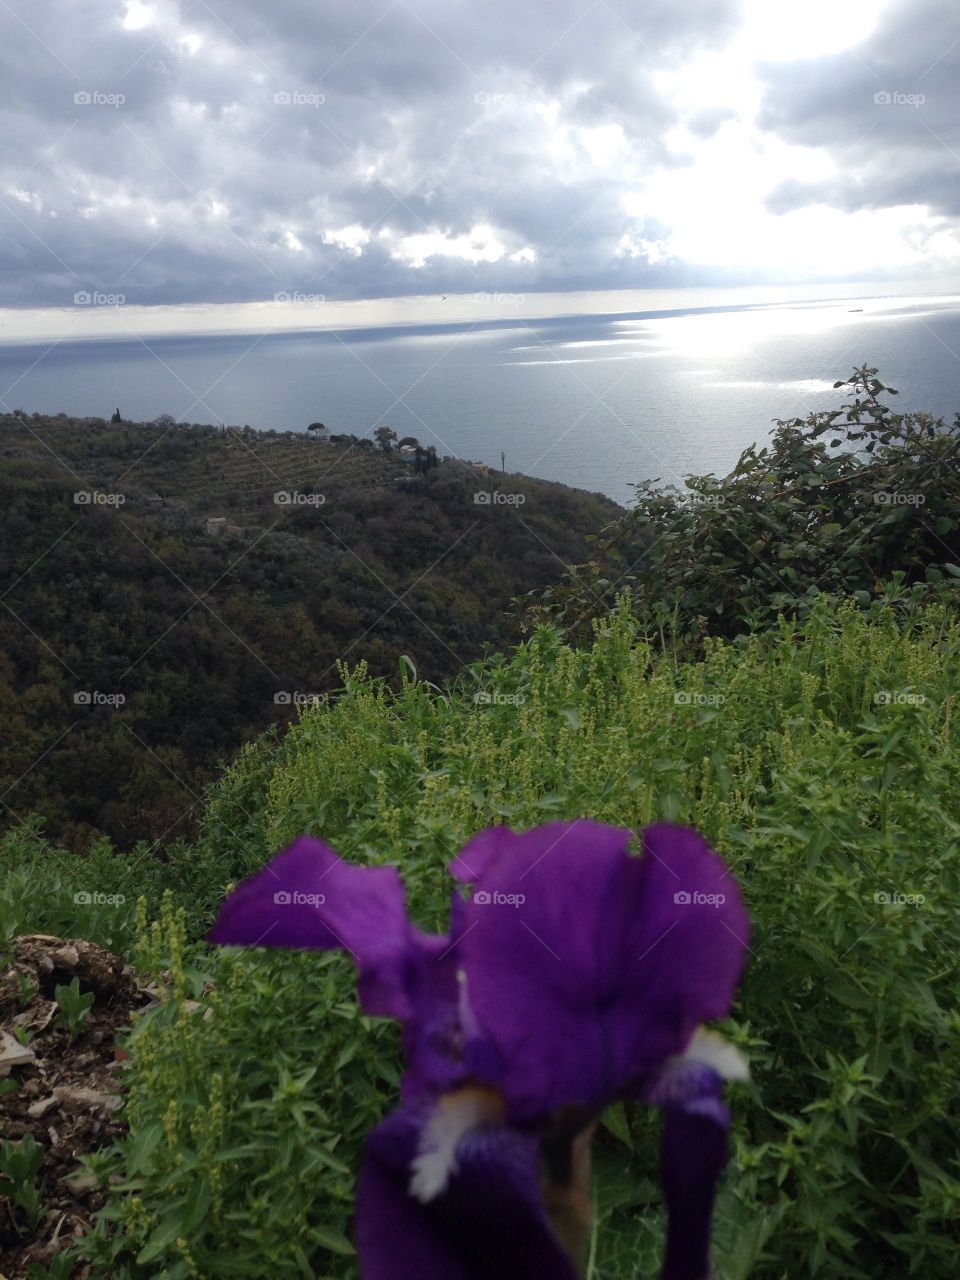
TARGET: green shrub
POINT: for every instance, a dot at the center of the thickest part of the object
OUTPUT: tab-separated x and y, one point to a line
247	1106
800	516
820	758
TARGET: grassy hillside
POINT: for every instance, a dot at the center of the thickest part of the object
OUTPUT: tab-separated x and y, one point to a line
140	648
821	758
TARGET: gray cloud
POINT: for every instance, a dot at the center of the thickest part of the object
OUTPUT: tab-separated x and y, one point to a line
254	141
221	174
887	111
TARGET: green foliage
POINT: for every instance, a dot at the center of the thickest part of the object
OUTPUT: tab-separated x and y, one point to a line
55	891
246	1115
820	757
61	1267
73	1006
20	1183
800	516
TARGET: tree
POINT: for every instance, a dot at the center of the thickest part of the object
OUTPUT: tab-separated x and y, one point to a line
425	460
116	417
383	437
317	429
412	441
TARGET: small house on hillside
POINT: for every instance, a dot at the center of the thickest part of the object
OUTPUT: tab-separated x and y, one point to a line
216	525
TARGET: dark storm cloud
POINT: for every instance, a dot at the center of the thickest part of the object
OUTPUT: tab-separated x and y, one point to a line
219	172
887	111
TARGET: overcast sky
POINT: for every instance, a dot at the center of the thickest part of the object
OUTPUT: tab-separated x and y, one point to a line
186	152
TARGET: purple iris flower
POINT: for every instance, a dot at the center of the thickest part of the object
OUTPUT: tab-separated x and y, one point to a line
574	974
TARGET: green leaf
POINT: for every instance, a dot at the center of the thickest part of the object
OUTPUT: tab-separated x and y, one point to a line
852	996
143	1142
169	1228
197	1205
614	1119
335	1241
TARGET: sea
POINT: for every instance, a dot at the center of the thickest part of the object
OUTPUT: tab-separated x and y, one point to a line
599	402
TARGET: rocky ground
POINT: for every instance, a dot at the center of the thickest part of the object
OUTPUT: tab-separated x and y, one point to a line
64	1093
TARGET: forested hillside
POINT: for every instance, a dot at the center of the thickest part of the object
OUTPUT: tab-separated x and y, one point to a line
141	644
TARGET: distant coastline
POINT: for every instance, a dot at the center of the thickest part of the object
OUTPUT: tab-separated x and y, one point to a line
598	402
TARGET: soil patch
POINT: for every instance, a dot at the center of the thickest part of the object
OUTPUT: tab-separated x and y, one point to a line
67	1094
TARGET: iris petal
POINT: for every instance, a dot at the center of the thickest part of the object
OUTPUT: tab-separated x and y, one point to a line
693	1147
488	1224
432	1035
588	968
308	897
693	1154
